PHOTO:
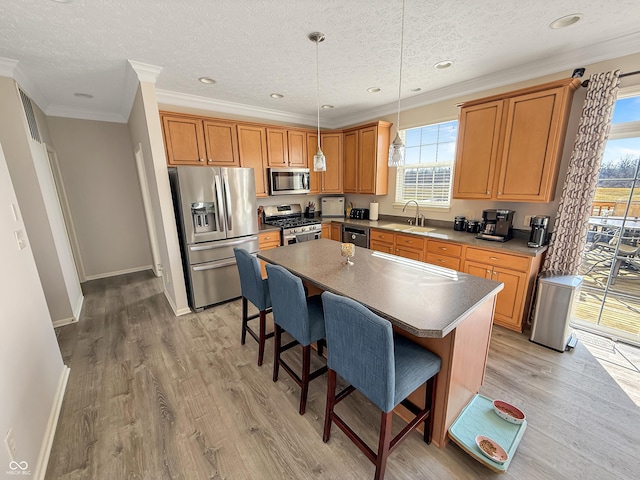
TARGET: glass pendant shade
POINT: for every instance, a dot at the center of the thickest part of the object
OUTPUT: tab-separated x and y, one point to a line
396	152
319	161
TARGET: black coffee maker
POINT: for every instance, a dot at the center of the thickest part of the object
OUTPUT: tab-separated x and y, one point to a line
496	225
539	230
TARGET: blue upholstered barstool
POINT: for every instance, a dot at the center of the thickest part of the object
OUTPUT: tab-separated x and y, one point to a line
361	349
302	318
255	290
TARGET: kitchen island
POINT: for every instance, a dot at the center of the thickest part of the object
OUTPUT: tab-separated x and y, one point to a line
448	312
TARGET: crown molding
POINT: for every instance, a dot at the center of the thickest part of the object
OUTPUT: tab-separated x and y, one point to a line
584	56
84	114
136	72
221	106
11	68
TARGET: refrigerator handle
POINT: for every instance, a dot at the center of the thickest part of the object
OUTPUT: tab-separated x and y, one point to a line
219	202
225	178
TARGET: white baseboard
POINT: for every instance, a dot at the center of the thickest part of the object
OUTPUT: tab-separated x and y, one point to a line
78	310
47	442
64	321
182	311
119	272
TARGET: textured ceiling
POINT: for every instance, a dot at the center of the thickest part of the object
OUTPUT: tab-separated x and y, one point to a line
253	48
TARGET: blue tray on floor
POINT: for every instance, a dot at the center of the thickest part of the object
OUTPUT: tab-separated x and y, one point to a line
479	418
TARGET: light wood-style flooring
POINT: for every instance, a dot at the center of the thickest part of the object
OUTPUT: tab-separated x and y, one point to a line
152	396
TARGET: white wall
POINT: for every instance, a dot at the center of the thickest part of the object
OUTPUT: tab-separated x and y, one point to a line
447	110
28	166
146	130
32	374
100	179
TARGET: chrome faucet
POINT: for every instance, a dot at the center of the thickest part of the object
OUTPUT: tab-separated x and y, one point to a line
417	211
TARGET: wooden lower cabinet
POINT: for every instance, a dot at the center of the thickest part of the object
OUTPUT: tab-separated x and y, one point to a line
266	241
382	241
410	246
443	254
326	230
518	273
336	232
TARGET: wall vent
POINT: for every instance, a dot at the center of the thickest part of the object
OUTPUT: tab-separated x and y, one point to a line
31	118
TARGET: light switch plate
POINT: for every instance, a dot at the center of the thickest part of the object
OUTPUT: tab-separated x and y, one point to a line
21	240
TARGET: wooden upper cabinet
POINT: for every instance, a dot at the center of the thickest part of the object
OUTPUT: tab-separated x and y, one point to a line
277	147
297	143
287	148
365	159
194	141
184	140
532	146
510	146
221	144
331	180
252	146
477	151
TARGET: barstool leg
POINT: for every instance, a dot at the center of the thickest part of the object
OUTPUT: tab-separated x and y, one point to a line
383	444
306	368
277	338
331	402
430	395
263	333
244	320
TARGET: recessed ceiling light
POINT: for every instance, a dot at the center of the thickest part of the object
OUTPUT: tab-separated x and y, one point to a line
276	95
417	89
565	21
373	89
327	106
82	95
207	80
443	64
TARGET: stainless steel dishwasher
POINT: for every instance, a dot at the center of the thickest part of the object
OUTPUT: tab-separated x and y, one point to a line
356	235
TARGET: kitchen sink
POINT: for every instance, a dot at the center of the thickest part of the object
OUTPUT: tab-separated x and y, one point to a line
417	229
404	227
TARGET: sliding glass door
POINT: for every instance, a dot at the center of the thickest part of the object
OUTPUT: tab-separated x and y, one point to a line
609	302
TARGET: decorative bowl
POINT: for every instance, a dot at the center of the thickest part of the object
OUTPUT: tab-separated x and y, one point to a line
491	449
508	412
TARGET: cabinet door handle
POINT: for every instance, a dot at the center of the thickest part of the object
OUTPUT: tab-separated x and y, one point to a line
488	192
495	273
488	271
443	248
499	193
494	258
201	159
210	161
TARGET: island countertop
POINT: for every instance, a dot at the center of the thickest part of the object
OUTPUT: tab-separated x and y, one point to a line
423	300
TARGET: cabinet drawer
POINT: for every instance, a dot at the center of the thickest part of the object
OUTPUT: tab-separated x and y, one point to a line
381	236
269	240
499	259
443	261
409	241
444	248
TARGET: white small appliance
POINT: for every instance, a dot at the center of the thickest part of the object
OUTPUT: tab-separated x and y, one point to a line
332	207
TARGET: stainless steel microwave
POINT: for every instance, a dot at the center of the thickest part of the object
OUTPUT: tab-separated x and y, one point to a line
288	181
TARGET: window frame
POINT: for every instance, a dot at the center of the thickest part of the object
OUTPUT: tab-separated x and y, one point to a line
400	203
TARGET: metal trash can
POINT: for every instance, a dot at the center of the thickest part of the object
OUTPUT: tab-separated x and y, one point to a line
557	297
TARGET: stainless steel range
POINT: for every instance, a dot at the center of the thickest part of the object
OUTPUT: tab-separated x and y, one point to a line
294	227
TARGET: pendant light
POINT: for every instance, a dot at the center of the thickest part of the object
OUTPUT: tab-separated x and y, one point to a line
319	160
396	150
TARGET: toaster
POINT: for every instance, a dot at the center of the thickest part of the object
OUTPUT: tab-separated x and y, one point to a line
359	213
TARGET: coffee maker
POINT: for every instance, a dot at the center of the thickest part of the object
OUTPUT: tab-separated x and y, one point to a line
496	225
539	229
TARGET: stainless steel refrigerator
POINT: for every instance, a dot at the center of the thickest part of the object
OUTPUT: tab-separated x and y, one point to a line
215	212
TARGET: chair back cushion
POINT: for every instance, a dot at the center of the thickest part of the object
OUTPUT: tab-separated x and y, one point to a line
253	287
289	303
360	348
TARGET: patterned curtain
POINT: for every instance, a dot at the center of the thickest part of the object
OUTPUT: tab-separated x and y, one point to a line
568	240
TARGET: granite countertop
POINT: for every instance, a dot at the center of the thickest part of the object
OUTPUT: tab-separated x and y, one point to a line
422	299
515	245
263	227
